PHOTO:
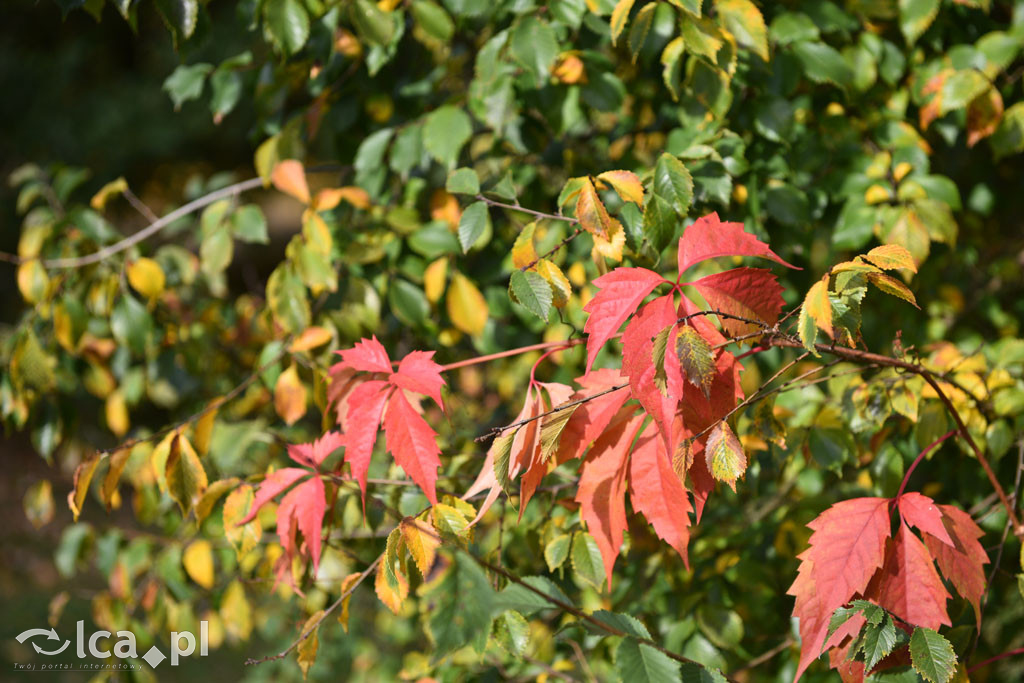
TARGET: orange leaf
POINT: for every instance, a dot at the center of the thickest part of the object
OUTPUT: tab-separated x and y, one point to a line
290	177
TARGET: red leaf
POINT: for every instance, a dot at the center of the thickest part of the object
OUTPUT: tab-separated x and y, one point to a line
846	549
602	488
751	293
657	493
699	411
303	508
536	469
273	484
638	364
962	563
921	512
312	454
527	438
365	405
621	291
700	477
709	237
909	586
417	372
591	418
411	441
368	355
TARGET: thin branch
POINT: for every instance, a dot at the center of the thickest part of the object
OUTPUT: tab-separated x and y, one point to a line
990	660
140	206
494	431
543	346
766	656
573	235
532	212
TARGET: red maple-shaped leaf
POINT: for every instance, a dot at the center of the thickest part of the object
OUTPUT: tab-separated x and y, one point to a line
751	293
412	443
846	549
638	363
602	487
303	508
418	373
963	561
921	512
909	586
362	422
368	355
272	485
621	291
312	454
657	493
591	418
709	237
360	404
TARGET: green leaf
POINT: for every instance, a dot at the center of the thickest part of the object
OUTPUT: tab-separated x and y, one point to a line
463	181
527	601
287	24
286	297
408	303
556	552
673	183
131	323
879	640
534	46
642	663
216	251
180	15
696	359
792	27
434	21
473	223
463	605
744	20
1009	136
372	23
932	655
916	16
620	17
823	64
532	291
586	559
672	66
626	623
502	453
186	83
249	225
659	222
551	431
512	632
695	673
640	28
446	130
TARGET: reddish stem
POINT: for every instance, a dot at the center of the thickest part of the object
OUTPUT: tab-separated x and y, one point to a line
543	346
533	370
1011	653
928	449
751	352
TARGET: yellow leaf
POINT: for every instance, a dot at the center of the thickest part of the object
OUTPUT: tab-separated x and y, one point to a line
620	15
392	591
592	214
117	413
611	247
316	232
876	194
523	252
445	207
724	454
306	651
117	462
198	561
211	495
744	21
184	474
236	506
289	177
434	278
204	428
80	487
236	612
560	287
891	285
33	281
569	69
108	191
147	277
290	396
311	338
891	257
467	307
901	170
626	185
422	542
577	274
346	588
818	305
